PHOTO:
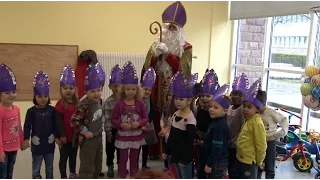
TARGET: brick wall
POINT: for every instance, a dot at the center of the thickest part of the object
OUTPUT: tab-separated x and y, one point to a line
251	39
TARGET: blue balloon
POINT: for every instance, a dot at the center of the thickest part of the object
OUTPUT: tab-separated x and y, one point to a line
315	92
307	80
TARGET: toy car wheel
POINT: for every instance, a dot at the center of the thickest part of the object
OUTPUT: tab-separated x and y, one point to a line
318	158
317	176
303	167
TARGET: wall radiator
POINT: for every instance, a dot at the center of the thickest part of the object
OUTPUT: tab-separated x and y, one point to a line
110	59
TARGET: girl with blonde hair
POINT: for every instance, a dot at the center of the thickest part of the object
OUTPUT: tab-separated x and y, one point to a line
129	116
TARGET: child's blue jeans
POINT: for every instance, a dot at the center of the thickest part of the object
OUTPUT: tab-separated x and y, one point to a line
246	171
218	169
6	167
202	163
37	162
184	171
269	161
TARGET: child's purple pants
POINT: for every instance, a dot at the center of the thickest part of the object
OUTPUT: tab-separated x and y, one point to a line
133	156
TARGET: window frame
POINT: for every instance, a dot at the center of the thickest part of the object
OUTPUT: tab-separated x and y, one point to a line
265	67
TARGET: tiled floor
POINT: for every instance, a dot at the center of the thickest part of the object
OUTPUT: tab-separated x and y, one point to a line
23	168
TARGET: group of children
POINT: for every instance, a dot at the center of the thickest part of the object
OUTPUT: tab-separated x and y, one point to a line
44	124
234	134
230	134
74	123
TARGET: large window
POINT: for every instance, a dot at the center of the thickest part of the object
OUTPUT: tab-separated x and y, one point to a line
277	49
314	59
286	63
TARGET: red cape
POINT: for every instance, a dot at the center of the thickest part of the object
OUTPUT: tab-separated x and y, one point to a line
80	73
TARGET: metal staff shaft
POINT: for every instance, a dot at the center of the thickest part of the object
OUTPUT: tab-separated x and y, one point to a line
154	32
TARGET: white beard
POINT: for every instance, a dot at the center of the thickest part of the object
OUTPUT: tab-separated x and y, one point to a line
165	68
173	40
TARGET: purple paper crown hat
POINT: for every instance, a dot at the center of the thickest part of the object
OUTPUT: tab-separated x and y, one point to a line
251	95
210	82
183	88
92	79
241	83
101	74
115	76
41	84
176	14
129	74
148	78
67	76
7	79
219	94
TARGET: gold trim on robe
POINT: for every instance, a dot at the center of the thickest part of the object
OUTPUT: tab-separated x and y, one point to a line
185	64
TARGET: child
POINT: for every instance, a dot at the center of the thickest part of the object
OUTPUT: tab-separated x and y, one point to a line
270	120
102	79
111	131
251	143
11	136
150	137
165	122
87	122
209	87
235	118
217	136
41	124
101	76
65	107
194	108
128	116
183	127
